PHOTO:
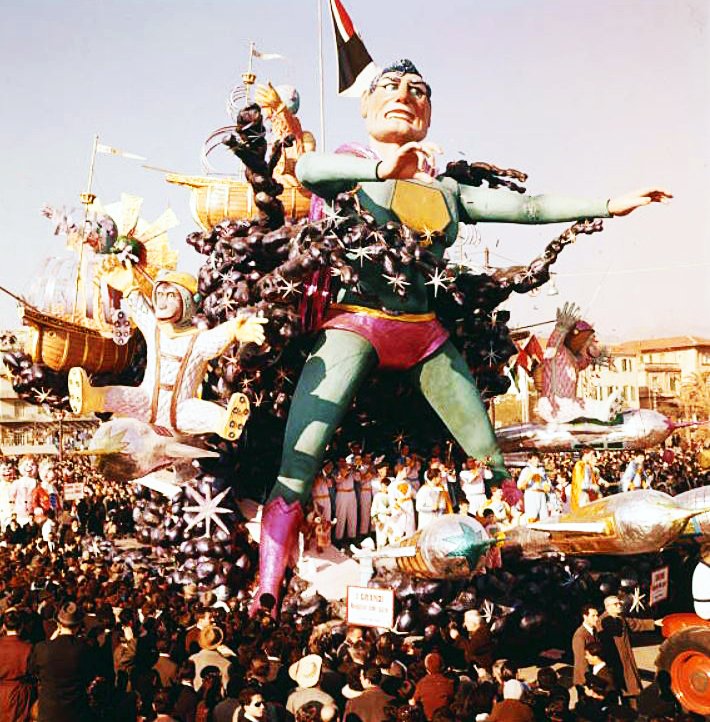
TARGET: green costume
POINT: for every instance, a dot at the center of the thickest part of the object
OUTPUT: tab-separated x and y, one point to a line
341	360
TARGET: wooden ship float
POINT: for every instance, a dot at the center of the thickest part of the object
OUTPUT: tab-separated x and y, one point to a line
216	197
70	310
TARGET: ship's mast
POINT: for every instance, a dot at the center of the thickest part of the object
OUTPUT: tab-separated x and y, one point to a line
87	199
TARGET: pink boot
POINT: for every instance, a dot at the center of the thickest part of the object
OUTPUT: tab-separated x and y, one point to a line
278	545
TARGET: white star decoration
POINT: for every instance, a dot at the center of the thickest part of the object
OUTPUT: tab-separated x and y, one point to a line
289	287
44	396
228	304
427	237
362	254
332	216
438	280
207	509
637	603
397	281
487	610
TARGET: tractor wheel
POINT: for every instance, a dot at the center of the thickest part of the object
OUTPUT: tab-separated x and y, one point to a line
686	657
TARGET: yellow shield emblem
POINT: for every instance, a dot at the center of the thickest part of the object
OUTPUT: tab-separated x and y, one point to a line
419	207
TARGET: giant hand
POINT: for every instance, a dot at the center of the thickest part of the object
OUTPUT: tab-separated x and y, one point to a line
567	316
623	205
250	329
410	161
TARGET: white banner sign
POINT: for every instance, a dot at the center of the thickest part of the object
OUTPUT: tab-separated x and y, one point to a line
370	607
73	491
659	586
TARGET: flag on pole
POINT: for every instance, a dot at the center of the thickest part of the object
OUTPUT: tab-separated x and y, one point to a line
356	69
266	56
110	150
530	355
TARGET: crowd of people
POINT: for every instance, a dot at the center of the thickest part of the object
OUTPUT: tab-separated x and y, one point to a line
90	635
361	494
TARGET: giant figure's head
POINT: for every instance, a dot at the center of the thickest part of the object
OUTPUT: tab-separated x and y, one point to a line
174	297
397	106
582	341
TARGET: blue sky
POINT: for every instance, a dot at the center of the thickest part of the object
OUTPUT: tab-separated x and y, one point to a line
590	98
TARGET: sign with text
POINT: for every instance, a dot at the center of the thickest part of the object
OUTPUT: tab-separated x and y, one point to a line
659	586
370	607
73	491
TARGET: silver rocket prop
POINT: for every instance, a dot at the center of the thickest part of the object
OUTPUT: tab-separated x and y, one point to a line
637	430
452	546
635	522
126	449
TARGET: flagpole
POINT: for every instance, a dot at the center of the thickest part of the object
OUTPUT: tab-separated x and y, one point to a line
87	198
249	78
320	75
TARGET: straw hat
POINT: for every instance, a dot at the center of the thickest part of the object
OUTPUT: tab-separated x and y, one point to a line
210	637
306	672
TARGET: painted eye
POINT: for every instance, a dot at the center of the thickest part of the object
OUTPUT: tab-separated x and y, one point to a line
416	92
391	87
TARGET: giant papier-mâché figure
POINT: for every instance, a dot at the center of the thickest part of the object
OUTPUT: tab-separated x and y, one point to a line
393	180
178	354
572	347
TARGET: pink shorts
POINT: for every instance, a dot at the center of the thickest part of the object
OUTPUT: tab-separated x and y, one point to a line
399	344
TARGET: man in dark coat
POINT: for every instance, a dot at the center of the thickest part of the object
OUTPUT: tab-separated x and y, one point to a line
185	707
16	686
584	635
64	668
370	705
477	644
615	636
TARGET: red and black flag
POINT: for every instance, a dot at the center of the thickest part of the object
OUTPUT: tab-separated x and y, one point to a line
356	68
530	355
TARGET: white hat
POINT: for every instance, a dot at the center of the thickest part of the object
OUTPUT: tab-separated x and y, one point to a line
512	689
306	672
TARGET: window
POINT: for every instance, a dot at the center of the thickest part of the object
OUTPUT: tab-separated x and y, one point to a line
705	359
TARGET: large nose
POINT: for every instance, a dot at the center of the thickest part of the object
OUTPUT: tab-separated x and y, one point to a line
403	91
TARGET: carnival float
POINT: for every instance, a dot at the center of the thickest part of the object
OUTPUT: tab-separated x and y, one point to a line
210	380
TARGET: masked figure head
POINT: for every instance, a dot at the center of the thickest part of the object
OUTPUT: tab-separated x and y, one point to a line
582	341
397	106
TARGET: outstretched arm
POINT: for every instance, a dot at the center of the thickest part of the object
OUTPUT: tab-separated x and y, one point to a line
485	204
245	329
500	206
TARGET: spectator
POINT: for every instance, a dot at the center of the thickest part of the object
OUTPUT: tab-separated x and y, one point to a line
584	635
434	689
615	635
16	687
512	708
306	674
64	668
370	705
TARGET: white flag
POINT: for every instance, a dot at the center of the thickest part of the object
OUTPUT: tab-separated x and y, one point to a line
267	56
110	150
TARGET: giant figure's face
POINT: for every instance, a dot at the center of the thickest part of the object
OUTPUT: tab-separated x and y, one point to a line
168	303
398	109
